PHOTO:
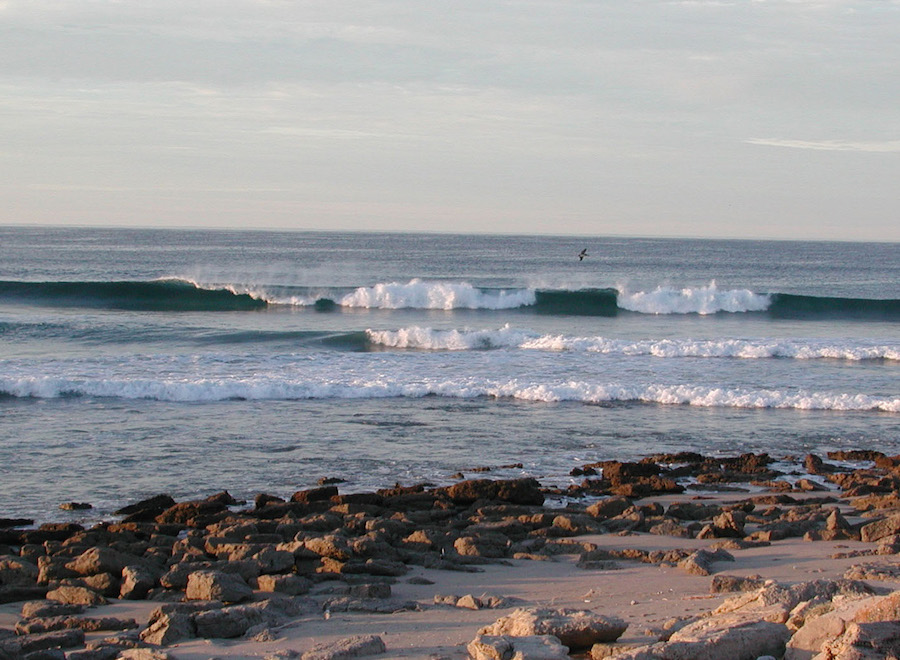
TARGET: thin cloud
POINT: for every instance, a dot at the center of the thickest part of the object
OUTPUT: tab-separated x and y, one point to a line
885	146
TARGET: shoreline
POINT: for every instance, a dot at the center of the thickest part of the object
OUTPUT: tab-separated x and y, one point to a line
424	569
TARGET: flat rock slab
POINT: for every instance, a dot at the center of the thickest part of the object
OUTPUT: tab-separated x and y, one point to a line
349	647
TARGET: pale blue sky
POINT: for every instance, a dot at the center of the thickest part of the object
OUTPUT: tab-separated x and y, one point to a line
775	119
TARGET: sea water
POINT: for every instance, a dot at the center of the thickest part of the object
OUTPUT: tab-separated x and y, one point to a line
135	362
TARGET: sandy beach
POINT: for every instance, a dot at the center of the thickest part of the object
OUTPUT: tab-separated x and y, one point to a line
437	600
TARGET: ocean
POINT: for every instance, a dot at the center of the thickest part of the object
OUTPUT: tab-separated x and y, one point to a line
137	362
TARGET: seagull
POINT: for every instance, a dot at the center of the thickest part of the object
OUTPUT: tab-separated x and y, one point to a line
582	254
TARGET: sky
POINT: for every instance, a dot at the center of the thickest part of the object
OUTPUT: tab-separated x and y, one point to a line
738	119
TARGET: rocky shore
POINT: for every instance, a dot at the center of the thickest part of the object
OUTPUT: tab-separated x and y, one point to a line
675	557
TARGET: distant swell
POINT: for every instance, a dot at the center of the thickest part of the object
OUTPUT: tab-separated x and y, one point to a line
208	390
797	307
511	338
158	295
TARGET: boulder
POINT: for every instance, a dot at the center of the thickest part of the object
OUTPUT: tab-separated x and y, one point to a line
216	585
100	560
577	629
505	647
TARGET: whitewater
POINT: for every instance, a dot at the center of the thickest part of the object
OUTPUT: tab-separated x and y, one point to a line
139	362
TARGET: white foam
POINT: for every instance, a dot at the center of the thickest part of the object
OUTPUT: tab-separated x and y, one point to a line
262	388
507	337
692	300
419	294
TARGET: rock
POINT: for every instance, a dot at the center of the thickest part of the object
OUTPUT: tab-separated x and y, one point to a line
48	608
700	562
724	583
693	511
237	620
864	641
15	594
577	629
145	654
516	491
322	494
196	513
376	590
485	545
729	524
349	647
735	638
100	560
880	529
76	596
60	639
505	647
169	628
216	585
833	622
291	585
17	572
75	506
49	624
137	581
608	508
147	509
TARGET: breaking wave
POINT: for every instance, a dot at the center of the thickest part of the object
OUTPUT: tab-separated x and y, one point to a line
208	390
512	338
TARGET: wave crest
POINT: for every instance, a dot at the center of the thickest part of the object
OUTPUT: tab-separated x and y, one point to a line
419	294
693	300
512	338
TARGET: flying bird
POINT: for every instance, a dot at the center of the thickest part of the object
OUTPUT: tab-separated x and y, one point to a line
582	254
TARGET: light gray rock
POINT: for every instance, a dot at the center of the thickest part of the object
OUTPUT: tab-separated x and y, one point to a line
344	649
505	647
864	641
735	638
216	585
577	629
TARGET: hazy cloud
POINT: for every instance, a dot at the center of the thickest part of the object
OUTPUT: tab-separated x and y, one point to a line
563	115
